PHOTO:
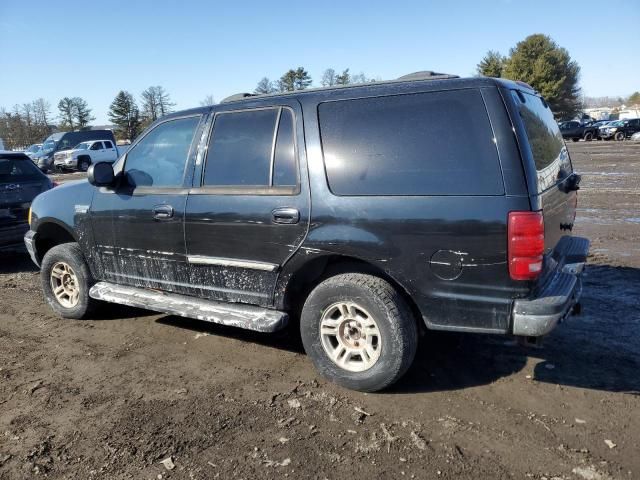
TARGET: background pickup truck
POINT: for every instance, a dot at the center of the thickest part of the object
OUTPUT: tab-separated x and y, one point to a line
86	153
575	131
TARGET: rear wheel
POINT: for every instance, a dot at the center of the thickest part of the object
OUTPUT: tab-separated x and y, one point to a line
588	136
619	136
358	331
66	281
575	139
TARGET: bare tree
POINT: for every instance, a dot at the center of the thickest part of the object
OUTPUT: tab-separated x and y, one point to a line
328	78
265	86
156	103
208	101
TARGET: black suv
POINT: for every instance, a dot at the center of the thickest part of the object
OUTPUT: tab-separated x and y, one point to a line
575	130
620	130
367	213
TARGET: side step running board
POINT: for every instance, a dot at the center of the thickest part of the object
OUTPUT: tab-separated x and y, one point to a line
233	314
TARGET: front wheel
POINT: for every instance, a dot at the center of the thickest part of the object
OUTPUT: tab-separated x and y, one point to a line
588	137
619	136
358	331
83	163
66	281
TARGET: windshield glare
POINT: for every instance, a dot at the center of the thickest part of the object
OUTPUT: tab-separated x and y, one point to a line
49	145
81	146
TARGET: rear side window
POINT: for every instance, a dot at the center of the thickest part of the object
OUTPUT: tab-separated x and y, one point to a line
547	146
437	143
252	148
107	144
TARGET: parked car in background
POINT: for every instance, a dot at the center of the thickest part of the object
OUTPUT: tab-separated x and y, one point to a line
65	141
620	129
575	131
32	150
84	154
598	125
20	182
209	215
635	137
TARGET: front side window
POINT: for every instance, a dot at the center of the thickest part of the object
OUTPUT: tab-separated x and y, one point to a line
96	146
159	159
252	148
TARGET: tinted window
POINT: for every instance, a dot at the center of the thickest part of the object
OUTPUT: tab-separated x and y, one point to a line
438	143
96	146
14	170
549	151
285	171
240	149
108	145
159	159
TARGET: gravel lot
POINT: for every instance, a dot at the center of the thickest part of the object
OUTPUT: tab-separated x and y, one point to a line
113	397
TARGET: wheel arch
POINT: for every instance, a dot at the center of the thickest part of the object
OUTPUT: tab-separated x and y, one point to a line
295	285
49	234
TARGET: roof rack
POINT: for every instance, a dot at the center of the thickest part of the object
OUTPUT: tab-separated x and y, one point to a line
427	75
238	96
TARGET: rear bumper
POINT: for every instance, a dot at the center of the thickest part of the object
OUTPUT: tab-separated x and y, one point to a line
560	293
11	237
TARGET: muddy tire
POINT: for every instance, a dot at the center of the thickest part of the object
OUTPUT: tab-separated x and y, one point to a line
619	136
66	281
358	331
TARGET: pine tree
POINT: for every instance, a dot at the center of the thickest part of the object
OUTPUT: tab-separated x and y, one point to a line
67	116
302	79
491	65
540	62
82	112
344	78
124	114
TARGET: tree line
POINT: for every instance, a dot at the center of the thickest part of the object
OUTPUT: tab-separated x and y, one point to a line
299	79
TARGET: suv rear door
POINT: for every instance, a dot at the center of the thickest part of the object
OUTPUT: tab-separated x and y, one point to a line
249	209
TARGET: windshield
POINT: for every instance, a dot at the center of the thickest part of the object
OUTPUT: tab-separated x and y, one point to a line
619	123
49	145
81	146
33	148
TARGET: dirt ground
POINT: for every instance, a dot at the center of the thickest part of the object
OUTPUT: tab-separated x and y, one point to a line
113	397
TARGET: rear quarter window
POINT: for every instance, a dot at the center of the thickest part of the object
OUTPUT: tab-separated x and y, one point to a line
436	143
545	140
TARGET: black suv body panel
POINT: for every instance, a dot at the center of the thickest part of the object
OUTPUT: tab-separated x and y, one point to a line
447	253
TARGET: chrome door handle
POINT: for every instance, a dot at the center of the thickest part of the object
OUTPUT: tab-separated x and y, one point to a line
162	212
286	215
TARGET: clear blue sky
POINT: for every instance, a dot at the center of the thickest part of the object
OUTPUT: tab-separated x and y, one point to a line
92	49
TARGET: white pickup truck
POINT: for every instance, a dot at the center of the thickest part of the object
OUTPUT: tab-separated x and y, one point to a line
86	153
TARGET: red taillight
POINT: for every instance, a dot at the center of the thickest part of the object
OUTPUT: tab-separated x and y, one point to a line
526	244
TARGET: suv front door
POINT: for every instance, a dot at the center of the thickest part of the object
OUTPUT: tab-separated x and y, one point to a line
249	209
138	225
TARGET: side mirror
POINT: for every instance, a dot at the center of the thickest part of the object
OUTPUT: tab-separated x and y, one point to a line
100	174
